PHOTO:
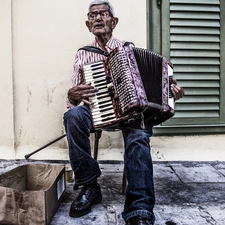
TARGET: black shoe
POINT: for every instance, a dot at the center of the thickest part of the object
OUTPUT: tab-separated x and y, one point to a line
88	197
138	220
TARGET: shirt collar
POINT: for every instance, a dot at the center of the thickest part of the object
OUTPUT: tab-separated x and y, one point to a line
109	45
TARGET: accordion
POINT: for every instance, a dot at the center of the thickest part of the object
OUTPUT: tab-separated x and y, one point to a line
131	82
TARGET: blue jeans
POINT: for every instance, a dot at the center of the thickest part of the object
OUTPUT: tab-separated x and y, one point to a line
140	197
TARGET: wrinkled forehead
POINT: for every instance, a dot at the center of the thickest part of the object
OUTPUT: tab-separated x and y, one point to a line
97	8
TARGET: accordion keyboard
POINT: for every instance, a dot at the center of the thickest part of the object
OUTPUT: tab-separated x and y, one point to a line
101	108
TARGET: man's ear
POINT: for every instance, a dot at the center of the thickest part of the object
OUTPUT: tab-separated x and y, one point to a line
114	22
88	25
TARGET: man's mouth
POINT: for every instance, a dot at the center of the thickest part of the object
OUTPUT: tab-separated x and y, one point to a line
99	26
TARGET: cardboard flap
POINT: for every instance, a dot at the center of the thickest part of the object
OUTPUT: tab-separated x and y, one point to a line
41	177
8	206
19	207
15	178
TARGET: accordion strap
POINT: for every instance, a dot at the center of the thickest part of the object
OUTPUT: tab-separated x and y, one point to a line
128	43
100	51
94	49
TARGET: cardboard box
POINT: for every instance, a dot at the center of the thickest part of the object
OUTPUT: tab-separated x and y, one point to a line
31	194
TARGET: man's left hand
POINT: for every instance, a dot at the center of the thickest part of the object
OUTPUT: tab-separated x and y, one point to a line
177	91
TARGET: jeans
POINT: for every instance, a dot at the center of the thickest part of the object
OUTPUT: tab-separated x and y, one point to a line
140	197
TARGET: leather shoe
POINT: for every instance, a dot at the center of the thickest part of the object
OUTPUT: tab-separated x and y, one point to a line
138	220
88	197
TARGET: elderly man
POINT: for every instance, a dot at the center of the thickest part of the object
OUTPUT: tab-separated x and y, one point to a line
139	198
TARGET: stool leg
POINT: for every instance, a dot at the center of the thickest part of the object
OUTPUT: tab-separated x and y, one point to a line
98	135
124	181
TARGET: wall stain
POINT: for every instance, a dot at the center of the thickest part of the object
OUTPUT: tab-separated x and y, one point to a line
49	94
28	98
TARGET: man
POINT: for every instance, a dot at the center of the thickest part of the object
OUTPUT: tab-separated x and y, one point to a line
140	198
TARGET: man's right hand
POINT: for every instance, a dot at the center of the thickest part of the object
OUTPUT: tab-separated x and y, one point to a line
81	93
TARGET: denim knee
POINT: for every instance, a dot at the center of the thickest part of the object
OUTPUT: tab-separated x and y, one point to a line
78	116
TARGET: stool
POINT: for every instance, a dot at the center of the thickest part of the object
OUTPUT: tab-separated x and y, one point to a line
98	135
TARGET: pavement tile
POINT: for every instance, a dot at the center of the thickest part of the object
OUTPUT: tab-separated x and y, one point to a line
112	167
220	167
198	173
215	213
98	215
186	214
164	171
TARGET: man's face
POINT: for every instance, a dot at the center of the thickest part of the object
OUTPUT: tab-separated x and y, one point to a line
100	21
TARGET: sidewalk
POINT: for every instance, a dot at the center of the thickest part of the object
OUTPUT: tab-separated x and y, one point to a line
187	193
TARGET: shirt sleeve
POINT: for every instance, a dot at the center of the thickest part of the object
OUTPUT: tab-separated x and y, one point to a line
76	77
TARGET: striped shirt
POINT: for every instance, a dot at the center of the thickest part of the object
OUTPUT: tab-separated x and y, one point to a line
84	57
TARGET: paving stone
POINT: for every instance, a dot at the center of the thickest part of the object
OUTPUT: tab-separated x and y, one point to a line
164	172
186	214
198	174
112	167
220	167
214	213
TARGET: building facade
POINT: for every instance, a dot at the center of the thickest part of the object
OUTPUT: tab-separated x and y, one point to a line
38	41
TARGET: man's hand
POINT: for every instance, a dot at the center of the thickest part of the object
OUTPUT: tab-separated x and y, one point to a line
81	93
177	91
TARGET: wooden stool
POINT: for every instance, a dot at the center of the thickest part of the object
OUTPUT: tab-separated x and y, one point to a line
98	135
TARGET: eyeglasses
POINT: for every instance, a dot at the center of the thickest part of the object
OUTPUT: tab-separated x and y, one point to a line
94	15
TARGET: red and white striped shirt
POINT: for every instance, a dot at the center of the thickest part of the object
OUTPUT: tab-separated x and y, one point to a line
84	57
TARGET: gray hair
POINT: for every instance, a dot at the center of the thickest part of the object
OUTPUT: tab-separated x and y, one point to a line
100	2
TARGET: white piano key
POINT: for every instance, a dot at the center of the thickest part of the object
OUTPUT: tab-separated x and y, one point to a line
102	92
102	110
95	72
102	101
95	100
105	110
99	97
101	79
106	119
100	122
103	115
170	70
101	106
171	103
92	73
93	65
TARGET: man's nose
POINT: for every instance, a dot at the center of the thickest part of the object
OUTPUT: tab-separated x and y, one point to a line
98	16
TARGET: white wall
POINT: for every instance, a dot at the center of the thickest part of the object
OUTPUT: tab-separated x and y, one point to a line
38	40
6	84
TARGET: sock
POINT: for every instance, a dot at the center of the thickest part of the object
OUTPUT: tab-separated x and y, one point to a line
92	185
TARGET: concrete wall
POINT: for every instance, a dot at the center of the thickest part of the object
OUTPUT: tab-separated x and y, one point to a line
38	41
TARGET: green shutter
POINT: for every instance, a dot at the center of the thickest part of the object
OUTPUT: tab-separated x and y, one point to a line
191	36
